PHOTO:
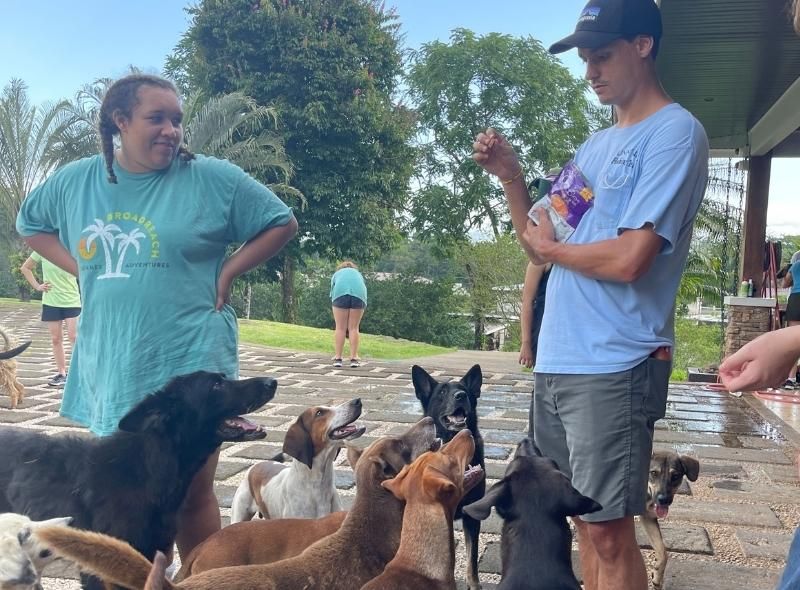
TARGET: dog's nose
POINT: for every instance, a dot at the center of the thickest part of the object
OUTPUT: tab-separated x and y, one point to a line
461	395
664	499
356	402
28	576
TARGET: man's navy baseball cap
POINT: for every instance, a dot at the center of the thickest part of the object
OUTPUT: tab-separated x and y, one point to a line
604	21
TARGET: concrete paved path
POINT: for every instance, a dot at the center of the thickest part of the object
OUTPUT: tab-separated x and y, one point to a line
731	528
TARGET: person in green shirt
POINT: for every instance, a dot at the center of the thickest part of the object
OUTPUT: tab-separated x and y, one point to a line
61	305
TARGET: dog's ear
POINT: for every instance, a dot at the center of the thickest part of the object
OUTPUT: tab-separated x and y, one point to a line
353	455
148	414
691	467
442	487
473	380
575	504
424	384
395	485
298	443
385	469
158	571
24	534
61	521
481	509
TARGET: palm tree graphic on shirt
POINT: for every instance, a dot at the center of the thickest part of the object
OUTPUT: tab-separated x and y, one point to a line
123	242
111	236
105	234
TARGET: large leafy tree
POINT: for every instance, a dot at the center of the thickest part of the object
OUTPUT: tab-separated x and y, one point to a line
30	140
460	88
330	67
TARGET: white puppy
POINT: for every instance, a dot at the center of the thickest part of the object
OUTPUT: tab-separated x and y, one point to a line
22	555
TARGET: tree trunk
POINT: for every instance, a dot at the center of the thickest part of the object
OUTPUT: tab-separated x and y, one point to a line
24	293
287	291
248	298
480	322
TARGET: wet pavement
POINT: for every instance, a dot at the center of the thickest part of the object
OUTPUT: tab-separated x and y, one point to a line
731	528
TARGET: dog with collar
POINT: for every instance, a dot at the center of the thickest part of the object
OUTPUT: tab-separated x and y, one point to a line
305	488
667	470
453	407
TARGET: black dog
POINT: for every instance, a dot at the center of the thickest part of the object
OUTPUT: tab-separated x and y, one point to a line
131	484
534	498
453	407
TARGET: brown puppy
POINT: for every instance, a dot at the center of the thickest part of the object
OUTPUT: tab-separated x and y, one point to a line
258	541
8	369
431	487
347	559
667	470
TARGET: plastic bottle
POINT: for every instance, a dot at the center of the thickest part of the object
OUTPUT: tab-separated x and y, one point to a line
750	289
743	289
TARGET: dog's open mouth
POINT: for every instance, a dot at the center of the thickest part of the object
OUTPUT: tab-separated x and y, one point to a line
348	432
662	510
457	420
240	429
472	477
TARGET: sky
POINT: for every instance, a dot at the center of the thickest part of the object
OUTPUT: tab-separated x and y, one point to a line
57	46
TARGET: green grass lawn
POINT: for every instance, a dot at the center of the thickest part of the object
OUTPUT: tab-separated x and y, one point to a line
304	338
696	345
291	337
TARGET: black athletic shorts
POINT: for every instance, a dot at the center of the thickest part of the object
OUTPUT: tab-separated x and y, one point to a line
349	302
56	314
793	308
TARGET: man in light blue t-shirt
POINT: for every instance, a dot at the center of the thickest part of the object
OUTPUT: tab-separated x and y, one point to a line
605	347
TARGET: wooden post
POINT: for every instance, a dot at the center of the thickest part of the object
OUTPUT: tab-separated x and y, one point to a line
755	219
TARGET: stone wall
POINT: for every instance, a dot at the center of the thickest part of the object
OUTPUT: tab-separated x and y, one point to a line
745	323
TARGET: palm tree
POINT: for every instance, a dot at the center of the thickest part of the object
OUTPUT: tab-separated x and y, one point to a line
236	128
30	137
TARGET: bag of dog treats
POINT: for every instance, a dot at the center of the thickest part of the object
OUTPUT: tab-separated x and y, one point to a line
568	200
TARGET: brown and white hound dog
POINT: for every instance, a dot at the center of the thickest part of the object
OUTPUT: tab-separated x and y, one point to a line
305	488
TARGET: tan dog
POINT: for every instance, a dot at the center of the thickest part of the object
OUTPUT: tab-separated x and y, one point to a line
431	487
667	470
347	559
305	488
8	369
258	542
22	555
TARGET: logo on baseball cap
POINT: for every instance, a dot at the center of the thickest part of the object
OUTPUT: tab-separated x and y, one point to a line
604	21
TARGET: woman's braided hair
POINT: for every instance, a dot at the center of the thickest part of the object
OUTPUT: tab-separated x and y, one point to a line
120	98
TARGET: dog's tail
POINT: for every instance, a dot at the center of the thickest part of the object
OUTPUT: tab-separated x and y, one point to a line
10	353
101	555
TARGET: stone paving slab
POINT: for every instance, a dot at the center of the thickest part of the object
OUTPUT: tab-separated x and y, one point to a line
710	575
766	544
751	492
720	513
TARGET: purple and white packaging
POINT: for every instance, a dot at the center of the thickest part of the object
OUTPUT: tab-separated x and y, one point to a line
568	200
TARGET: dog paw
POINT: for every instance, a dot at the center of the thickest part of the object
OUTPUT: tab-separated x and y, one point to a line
657	580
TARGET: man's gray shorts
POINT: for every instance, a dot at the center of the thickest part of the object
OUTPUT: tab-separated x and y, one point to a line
599	430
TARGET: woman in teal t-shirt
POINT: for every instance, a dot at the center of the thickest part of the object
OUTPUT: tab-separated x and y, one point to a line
349	300
145	227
